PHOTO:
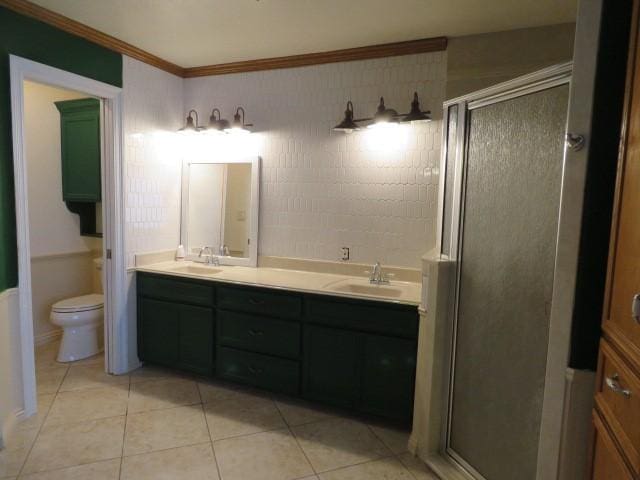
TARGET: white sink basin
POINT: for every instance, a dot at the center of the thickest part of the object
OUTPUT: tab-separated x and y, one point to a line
356	286
196	270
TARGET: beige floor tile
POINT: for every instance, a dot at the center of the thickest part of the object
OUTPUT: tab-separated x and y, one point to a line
214	391
397	440
106	470
71	444
340	442
96	359
166	393
271	455
45	355
385	469
242	415
90	376
417	467
48	380
149	373
89	404
297	412
13	456
168	428
194	463
44	404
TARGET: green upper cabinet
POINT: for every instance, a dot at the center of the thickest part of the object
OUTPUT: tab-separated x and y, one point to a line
80	142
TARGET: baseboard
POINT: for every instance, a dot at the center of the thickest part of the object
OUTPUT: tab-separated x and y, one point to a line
47	338
9	426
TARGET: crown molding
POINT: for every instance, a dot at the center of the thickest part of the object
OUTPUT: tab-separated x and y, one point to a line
68	25
435	44
24	7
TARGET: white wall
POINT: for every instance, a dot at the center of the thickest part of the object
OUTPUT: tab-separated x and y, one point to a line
153	111
61	265
54	229
322	190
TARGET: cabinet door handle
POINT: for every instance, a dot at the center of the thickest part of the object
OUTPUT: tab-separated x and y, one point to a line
635	307
256	333
256	301
255	371
614	385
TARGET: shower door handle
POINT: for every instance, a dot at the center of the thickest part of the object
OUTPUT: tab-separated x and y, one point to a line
574	141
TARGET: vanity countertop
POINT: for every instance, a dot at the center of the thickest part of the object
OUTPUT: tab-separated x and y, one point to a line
407	293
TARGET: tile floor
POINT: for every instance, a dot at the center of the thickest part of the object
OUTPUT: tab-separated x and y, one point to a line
159	425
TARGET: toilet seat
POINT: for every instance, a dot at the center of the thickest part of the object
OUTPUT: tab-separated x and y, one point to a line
84	303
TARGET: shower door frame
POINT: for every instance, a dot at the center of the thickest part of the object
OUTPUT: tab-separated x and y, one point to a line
564	274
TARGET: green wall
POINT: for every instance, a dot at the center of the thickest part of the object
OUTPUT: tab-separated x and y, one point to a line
28	38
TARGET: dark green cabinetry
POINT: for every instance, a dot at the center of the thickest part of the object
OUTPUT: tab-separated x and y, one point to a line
80	153
354	354
80	143
172	332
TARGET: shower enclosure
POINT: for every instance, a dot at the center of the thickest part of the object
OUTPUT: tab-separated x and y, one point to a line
500	199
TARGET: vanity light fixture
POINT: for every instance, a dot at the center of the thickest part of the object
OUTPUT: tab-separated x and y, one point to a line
347	125
238	125
191	126
217	124
384	116
416	115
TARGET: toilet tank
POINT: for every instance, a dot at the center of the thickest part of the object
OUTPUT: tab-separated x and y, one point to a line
98	275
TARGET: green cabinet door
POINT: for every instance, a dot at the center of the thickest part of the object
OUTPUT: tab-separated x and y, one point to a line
176	335
80	144
331	366
388	376
196	339
158	331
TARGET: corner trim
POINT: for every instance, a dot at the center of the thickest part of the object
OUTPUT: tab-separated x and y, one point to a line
68	25
424	45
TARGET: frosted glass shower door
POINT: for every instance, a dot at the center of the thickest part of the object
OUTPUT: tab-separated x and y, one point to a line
507	241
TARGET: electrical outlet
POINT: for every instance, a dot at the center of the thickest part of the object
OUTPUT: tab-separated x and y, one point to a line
345	254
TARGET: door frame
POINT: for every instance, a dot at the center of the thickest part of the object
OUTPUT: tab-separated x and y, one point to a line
564	275
22	69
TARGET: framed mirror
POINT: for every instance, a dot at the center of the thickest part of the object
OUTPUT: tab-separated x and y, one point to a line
220	206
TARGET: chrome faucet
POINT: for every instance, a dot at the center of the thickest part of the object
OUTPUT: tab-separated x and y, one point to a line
224	251
377	276
211	259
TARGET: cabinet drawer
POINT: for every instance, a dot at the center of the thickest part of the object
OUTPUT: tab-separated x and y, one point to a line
283	305
259	334
259	370
608	464
374	317
618	400
179	290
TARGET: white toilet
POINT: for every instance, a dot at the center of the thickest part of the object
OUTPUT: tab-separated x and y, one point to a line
81	319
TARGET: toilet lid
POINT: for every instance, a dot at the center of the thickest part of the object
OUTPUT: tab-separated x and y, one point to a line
93	301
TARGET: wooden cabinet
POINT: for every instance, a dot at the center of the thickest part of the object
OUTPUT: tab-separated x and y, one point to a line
175	334
616	416
359	355
331	372
80	143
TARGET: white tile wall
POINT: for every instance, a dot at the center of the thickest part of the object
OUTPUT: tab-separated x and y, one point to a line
153	111
322	190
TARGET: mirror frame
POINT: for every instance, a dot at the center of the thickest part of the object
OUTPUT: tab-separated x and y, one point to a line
253	216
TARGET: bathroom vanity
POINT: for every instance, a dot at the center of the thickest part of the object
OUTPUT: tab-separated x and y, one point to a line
327	337
355	353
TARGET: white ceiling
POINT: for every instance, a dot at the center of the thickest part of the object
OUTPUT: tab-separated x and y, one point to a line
203	32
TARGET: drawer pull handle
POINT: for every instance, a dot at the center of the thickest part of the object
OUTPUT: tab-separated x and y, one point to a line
256	301
613	384
255	371
256	333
